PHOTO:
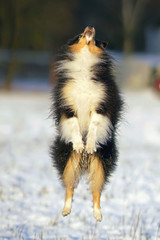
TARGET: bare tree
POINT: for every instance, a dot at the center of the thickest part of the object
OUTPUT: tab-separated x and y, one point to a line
132	14
36	25
11	21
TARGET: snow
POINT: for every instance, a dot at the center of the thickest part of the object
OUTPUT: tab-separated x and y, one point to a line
32	198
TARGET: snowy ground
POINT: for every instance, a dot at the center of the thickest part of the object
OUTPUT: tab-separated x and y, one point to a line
31	197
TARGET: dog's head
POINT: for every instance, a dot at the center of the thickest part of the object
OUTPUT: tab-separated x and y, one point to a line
87	38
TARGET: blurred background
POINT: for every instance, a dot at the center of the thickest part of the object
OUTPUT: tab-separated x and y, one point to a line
31	31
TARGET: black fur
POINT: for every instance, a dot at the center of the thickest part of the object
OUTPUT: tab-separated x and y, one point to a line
111	106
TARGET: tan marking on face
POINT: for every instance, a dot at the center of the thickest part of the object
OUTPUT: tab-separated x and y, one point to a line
83	42
91	46
94	49
78	46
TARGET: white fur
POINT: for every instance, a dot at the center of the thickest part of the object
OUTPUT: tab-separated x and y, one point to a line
99	129
83	95
89	38
70	132
97	213
67	207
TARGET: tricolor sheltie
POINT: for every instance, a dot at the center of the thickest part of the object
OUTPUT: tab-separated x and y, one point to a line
86	107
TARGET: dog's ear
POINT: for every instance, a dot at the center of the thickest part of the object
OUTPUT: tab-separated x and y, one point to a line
103	45
74	40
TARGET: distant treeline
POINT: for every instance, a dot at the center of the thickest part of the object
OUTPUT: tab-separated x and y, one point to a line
46	24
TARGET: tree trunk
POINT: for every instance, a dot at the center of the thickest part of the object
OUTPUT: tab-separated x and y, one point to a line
128	44
132	14
13	17
10	72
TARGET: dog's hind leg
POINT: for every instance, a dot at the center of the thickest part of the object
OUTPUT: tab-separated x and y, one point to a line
68	201
70	178
96	179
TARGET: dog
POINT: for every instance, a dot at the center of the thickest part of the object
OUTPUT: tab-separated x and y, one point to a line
87	106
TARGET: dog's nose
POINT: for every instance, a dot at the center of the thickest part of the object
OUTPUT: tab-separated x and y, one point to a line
89	33
90	27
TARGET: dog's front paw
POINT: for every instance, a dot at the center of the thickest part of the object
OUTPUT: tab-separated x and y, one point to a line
78	146
90	147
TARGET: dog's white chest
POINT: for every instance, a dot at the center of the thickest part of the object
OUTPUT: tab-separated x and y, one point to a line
82	93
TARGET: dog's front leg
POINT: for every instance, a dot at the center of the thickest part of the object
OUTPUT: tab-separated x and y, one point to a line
99	129
70	132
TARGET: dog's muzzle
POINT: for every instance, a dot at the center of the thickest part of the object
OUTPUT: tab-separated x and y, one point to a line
89	33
